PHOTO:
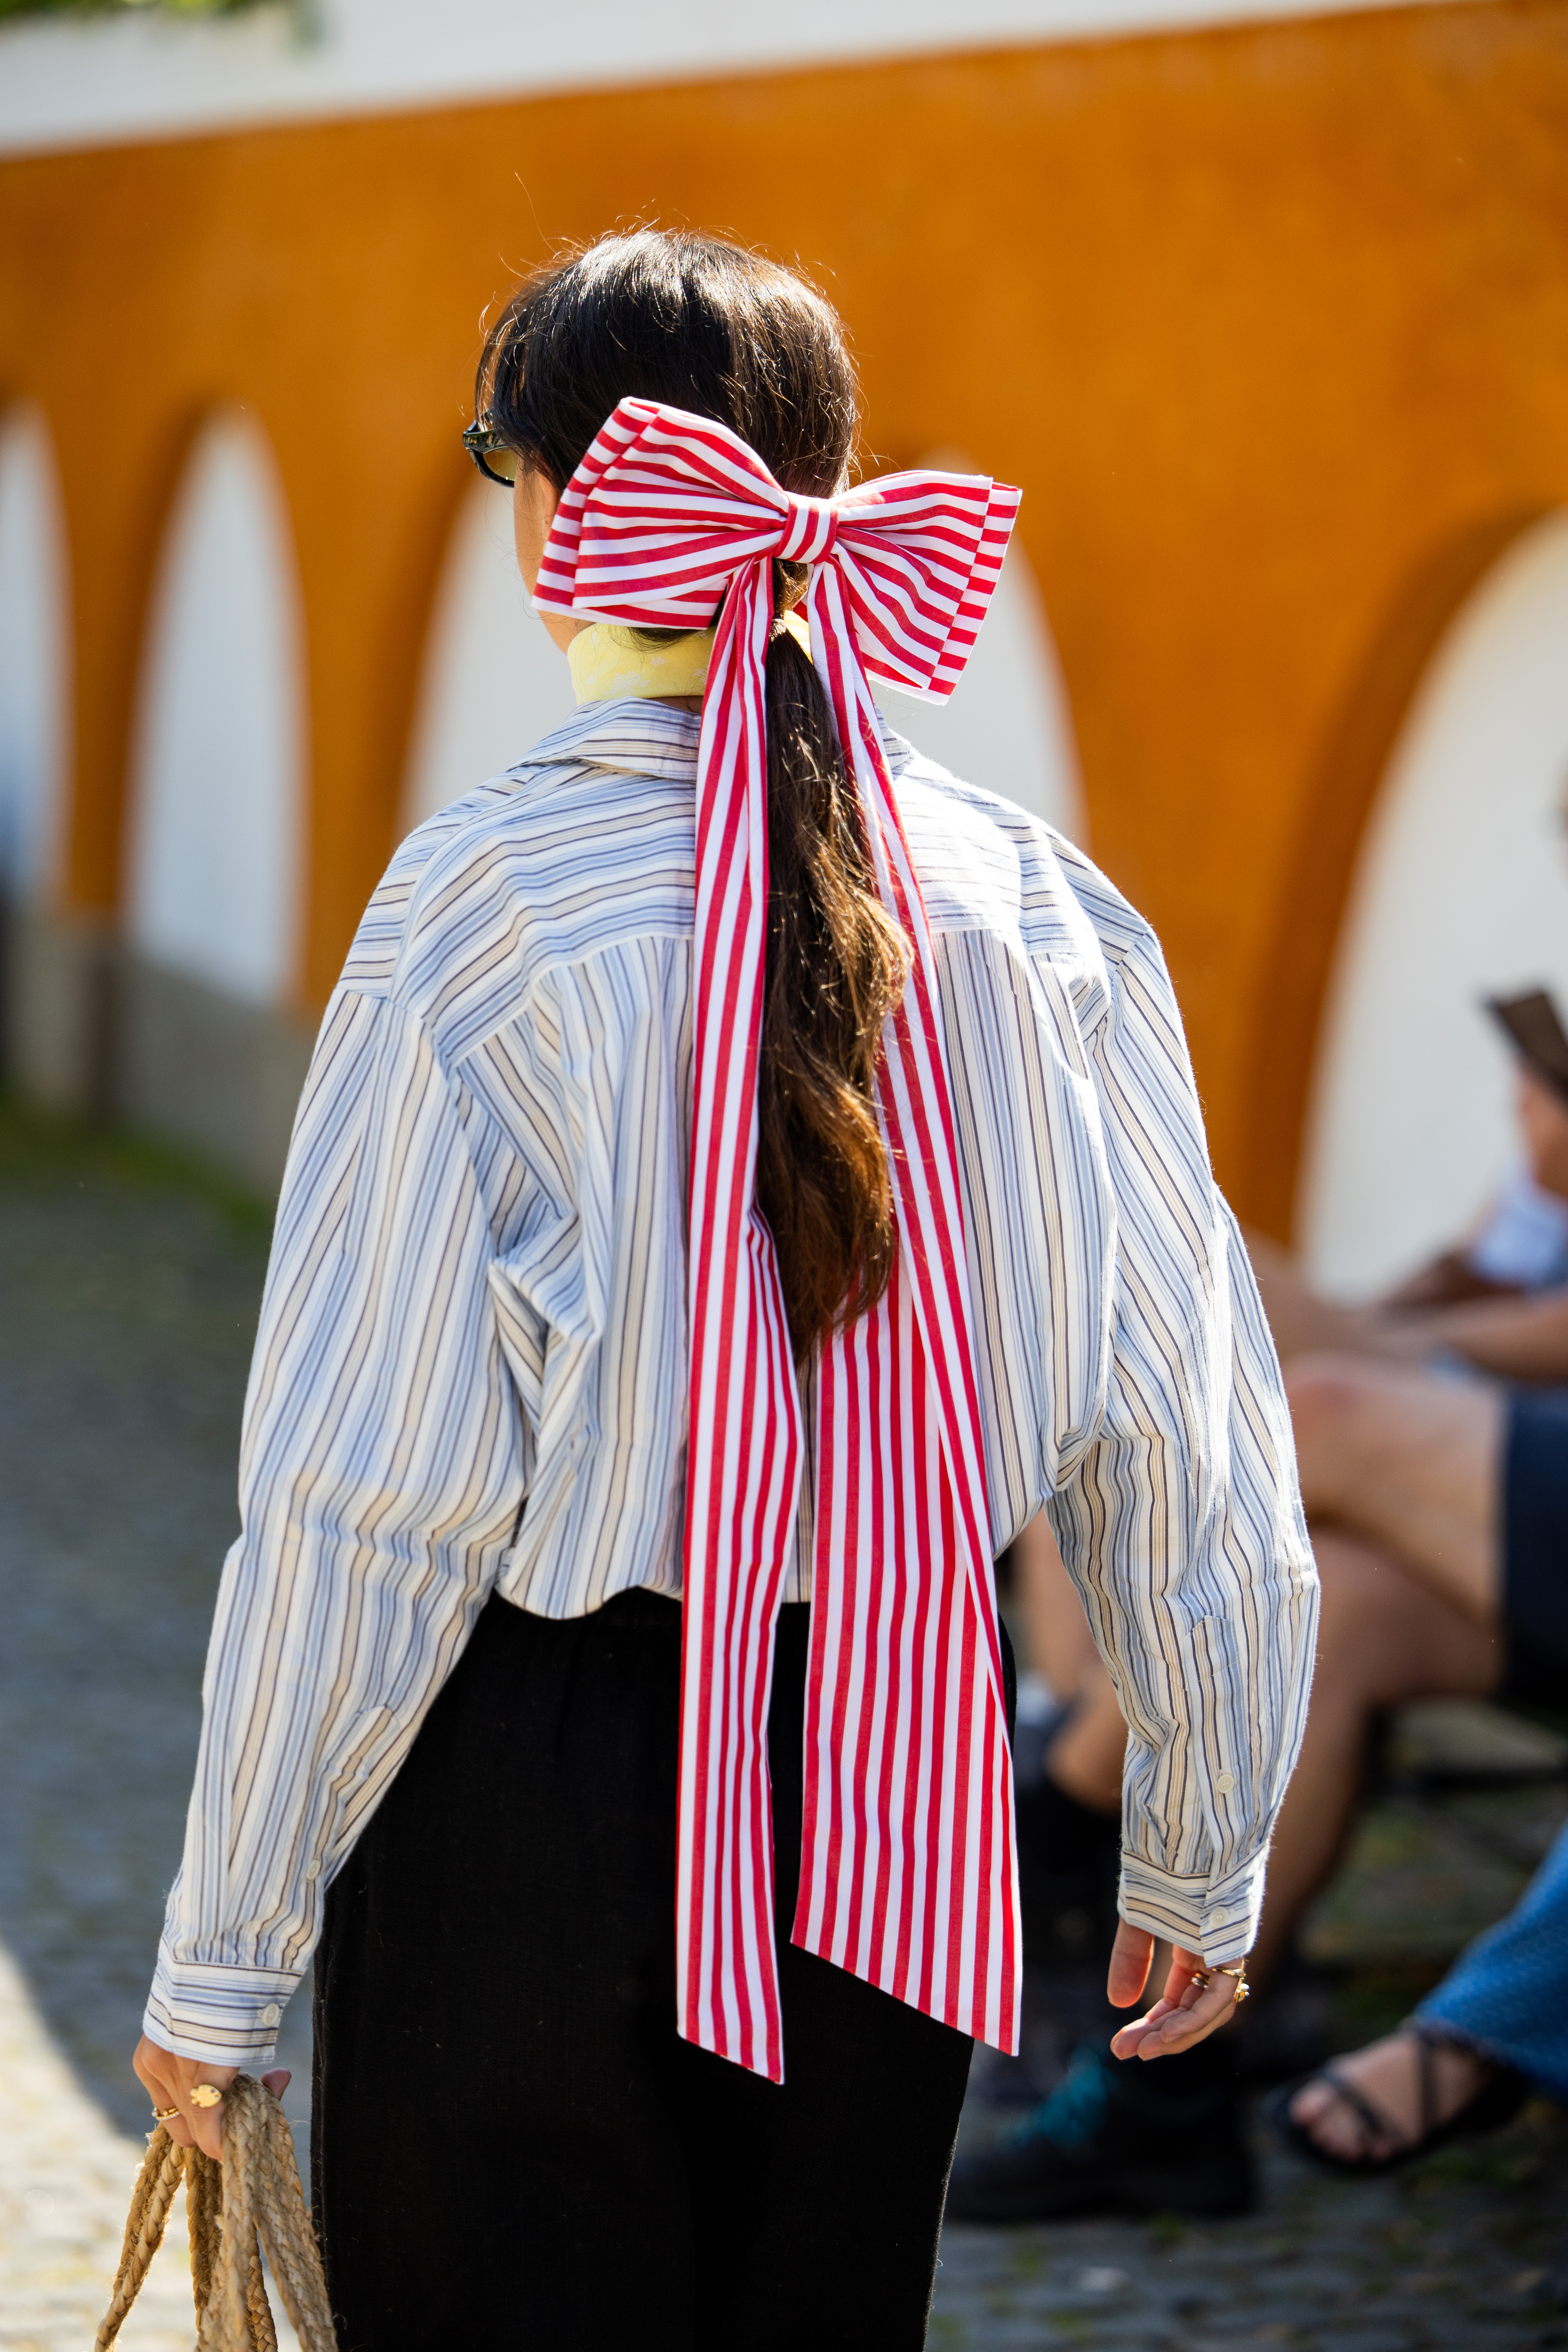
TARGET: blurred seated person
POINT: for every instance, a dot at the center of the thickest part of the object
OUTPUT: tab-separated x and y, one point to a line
1432	1440
1439	1511
1439	1516
1440	1522
1497	1301
1406	1467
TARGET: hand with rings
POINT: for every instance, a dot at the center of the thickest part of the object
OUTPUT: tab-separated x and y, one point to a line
1197	1998
1203	1978
187	2094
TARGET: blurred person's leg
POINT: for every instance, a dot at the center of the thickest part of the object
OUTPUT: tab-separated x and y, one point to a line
1298	1319
1465	1482
1412	1462
1443	1577
1069	1813
1502	2006
1507	1995
1085	1755
1383	1638
1056	1631
1086	1758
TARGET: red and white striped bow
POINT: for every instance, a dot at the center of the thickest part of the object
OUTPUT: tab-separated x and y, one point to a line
909	1876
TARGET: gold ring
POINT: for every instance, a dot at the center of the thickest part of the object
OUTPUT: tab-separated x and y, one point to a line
1203	1978
162	2115
206	2094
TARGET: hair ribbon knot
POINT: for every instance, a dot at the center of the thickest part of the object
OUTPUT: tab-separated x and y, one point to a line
810	529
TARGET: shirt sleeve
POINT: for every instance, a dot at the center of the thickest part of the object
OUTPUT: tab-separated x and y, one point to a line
1182	1521
381	1480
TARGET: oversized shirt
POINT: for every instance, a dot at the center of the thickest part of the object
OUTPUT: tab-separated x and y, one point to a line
470	1373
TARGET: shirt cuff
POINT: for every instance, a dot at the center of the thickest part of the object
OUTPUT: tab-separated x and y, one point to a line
226	2016
1217	1918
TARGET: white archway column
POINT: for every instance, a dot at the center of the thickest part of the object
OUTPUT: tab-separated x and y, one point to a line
48	967
1007	726
491	683
35	656
212	1049
1460	892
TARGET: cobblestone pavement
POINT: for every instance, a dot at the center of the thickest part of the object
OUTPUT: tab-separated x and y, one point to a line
65	2182
128	1297
128	1294
1464	2253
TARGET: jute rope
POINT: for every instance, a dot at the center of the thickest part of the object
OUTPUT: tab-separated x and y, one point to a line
253	2195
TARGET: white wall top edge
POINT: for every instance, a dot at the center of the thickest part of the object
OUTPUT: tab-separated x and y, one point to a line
103	81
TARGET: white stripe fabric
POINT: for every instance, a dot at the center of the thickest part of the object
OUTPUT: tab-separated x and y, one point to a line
469	1377
665	510
909	1872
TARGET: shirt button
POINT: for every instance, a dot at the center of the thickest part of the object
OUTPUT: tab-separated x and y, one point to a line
1218	1915
271	2013
1225	1783
312	1870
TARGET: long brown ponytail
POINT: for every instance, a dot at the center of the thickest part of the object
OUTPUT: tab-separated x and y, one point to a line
706	326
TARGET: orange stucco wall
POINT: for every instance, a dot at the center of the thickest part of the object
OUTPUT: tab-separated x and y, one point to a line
1270	322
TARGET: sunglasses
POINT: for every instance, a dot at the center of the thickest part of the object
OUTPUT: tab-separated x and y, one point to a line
490	453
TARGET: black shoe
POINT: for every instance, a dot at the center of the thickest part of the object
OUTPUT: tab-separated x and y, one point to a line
1111	2138
1060	2008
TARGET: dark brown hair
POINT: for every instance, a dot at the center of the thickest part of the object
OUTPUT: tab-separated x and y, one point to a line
703	325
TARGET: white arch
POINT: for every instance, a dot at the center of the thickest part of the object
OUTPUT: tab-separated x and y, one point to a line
491	682
218	805
35	656
1007	726
1461	888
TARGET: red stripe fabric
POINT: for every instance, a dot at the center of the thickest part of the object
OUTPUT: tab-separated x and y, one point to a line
908	1873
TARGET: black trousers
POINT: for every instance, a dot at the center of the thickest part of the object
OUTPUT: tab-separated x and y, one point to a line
512	2145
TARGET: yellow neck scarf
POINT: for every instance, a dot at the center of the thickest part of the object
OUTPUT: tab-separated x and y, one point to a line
608	663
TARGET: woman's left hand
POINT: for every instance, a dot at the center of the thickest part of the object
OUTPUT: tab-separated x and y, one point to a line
170	2079
1186	2014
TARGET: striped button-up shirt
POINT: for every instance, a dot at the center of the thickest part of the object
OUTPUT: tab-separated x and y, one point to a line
470	1375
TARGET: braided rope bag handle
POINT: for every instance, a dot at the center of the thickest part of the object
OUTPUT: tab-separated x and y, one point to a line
250	2202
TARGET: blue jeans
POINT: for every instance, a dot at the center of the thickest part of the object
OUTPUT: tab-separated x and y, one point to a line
1508	1993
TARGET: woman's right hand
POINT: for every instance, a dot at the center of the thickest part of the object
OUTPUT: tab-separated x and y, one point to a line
1187	2011
170	2080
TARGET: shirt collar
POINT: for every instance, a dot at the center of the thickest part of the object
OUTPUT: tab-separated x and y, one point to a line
650	739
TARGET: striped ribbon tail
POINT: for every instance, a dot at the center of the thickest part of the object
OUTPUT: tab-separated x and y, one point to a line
909	1867
742	1480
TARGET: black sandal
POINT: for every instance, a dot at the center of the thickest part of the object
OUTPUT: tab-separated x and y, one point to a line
1496	2103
